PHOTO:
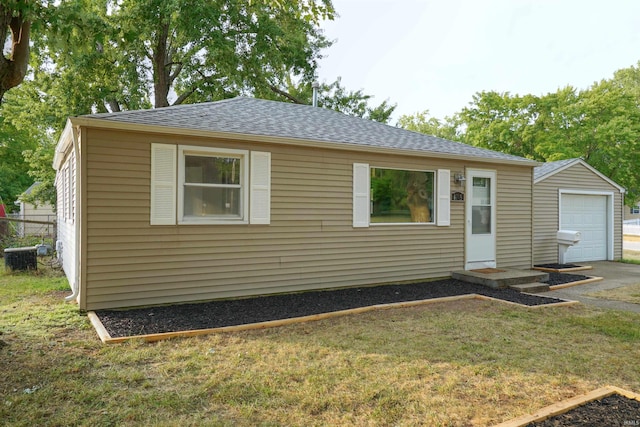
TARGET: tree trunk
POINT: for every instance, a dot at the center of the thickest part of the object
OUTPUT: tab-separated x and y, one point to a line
14	68
417	198
161	68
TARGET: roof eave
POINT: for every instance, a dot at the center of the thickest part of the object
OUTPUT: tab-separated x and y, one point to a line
62	147
140	127
588	166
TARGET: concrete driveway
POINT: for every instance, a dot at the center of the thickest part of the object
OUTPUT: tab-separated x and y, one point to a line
615	275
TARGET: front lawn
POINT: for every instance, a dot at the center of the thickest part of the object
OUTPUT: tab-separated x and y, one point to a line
460	363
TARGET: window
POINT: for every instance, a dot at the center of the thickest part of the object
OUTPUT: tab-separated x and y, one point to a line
481	205
201	185
213	185
399	196
635	210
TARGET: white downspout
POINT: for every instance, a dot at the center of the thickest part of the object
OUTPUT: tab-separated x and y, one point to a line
75	287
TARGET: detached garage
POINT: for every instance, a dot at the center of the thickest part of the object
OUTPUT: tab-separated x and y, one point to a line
571	195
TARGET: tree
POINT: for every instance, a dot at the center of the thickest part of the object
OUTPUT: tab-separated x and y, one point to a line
501	122
600	124
15	26
334	96
421	122
109	55
130	53
14	169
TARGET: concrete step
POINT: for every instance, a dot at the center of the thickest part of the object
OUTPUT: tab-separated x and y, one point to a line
500	277
531	288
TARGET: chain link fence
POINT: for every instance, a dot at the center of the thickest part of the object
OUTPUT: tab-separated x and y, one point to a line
18	230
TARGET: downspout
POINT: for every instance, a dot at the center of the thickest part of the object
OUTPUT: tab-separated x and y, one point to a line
75	287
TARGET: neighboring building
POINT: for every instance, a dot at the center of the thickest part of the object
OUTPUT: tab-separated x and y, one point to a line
29	211
572	195
249	197
632	212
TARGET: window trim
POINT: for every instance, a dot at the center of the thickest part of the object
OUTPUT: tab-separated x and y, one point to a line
434	197
243	155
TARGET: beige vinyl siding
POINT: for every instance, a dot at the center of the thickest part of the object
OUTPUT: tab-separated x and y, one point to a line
546	209
514	222
309	244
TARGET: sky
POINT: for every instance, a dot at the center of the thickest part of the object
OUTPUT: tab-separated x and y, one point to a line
436	54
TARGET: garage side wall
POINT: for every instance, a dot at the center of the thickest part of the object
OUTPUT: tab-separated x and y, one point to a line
546	209
310	242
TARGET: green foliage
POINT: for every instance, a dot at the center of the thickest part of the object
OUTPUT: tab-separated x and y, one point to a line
113	55
13	167
600	124
398	195
421	122
40	162
334	96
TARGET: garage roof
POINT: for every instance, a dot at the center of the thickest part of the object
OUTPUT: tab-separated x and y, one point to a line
549	169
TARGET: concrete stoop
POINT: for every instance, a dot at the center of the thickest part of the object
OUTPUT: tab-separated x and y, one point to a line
521	280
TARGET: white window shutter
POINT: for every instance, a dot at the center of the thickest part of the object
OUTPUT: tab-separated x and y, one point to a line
444	198
260	194
361	194
163	184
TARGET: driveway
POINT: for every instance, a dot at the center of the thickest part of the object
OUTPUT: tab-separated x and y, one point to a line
615	275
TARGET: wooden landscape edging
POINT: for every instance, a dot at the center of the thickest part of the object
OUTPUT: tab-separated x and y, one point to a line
567	405
576	283
106	338
563	270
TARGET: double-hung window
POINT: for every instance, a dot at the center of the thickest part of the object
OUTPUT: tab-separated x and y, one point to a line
212	185
203	185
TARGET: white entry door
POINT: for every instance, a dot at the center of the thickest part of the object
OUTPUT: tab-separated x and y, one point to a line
480	214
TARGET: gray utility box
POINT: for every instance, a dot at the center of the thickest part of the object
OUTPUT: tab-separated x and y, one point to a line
21	258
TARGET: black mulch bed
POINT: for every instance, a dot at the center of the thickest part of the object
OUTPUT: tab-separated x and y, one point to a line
557	266
614	410
562	278
215	314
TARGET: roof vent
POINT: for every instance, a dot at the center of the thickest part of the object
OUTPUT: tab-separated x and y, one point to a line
315	85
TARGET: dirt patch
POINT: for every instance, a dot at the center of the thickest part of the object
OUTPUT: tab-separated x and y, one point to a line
614	410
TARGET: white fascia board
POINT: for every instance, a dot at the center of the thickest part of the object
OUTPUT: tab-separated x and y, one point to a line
63	145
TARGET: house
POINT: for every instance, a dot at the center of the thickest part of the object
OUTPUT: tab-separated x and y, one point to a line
29	211
250	197
632	213
572	195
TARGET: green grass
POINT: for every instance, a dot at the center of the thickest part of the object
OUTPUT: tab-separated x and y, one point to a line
450	364
630	257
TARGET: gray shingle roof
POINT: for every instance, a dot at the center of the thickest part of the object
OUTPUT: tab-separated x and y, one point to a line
253	116
548	168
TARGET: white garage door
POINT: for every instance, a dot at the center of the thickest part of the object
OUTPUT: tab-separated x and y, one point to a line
587	214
